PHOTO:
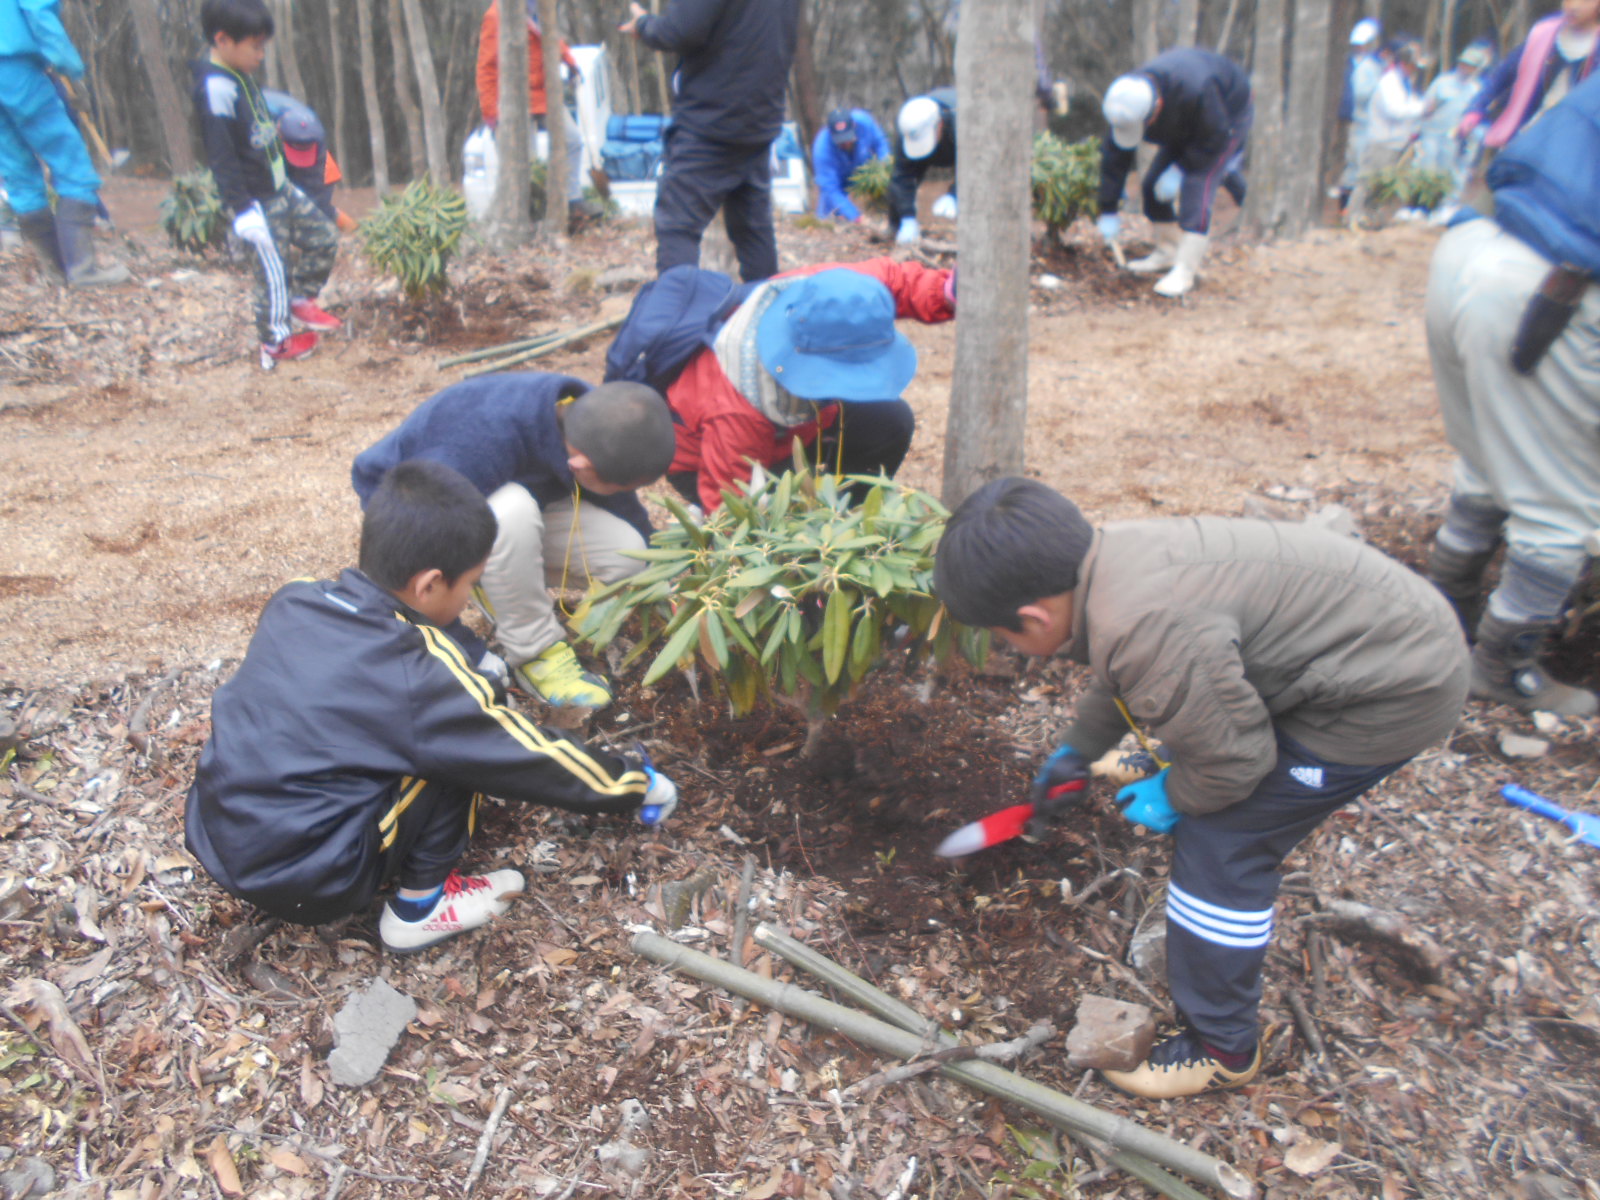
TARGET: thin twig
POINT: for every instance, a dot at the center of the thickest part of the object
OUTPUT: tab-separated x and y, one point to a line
479	1160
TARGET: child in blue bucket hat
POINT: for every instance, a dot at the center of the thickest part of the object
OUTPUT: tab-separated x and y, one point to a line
812	355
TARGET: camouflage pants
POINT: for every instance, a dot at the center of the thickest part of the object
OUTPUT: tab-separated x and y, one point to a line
298	262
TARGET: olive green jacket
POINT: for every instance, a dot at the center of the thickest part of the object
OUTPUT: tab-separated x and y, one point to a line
1217	632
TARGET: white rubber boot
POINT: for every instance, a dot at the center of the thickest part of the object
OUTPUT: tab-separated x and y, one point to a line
1186	268
1165	253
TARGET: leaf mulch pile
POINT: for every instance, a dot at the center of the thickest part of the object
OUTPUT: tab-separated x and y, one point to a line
1432	998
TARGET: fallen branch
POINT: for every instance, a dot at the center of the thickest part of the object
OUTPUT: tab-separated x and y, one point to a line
1054	1106
993	1052
139	723
490	1127
483	352
1363	921
549	347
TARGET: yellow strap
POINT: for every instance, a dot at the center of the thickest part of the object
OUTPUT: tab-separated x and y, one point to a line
1139	733
574	534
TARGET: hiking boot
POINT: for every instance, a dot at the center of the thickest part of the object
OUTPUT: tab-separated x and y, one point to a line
1165	253
75	238
39	230
1506	670
1185	266
297	345
1183	1065
558	678
1459	575
466	902
312	317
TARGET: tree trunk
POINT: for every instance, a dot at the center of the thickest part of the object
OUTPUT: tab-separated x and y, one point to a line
509	224
807	99
1311	92
369	92
341	141
1447	28
173	114
1227	27
663	72
1146	30
555	123
404	89
428	91
1264	208
288	56
1188	33
989	390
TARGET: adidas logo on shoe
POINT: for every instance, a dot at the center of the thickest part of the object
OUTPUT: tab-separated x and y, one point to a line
466	902
1310	776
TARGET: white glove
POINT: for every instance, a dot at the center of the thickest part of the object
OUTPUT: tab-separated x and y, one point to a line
1110	225
1169	184
493	668
660	798
251	226
909	231
945	207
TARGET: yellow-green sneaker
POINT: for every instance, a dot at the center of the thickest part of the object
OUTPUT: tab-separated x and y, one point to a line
558	678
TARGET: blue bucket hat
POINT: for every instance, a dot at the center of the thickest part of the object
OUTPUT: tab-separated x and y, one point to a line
831	336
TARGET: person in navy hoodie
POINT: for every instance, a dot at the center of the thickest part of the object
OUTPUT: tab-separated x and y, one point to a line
559	464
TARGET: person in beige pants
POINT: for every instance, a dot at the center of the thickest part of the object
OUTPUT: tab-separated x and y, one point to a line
559	464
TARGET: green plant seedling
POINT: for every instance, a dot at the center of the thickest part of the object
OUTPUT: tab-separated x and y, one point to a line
413	236
192	215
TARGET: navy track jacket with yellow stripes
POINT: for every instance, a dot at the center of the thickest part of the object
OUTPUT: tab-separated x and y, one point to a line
345	697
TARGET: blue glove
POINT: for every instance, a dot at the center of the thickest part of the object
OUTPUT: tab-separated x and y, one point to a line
908	232
1109	226
1061	782
1145	803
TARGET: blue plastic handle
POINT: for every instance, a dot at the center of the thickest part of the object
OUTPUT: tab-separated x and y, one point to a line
1585	825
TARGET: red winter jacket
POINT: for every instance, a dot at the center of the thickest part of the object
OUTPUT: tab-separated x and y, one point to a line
719	430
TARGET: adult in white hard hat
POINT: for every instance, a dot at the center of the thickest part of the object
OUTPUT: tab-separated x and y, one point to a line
1362	72
1196	107
925	137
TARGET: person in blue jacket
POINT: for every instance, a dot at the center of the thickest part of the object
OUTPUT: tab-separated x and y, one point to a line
352	746
37	131
558	463
1513	315
850	139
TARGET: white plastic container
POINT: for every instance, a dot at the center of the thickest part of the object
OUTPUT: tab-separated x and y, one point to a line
480	163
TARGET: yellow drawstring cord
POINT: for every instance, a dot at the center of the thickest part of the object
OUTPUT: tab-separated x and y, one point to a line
1144	741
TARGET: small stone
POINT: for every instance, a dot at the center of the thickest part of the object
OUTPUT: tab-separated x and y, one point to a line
1110	1034
1515	745
367	1028
1147	948
30	1177
1546	722
1049	283
1537	1185
624	1156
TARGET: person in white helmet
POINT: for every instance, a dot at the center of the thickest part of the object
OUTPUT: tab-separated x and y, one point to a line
1362	72
1196	107
926	137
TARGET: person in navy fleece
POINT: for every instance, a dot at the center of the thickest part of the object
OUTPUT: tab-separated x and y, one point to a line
560	464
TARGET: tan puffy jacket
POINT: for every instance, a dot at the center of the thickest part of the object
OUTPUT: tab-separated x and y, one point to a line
1214	631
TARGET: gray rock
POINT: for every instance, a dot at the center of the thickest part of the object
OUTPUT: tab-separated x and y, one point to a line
367	1028
1516	745
1147	949
1110	1033
30	1177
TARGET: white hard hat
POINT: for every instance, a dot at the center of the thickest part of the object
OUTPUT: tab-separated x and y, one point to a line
1129	102
919	126
1366	30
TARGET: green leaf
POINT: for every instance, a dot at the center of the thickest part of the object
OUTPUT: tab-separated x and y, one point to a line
677	647
836	632
755	577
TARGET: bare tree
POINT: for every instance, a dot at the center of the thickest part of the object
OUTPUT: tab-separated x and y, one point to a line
1188	32
404	84
173	114
341	142
428	91
288	53
807	106
989	391
509	222
369	92
1268	176
556	165
1310	97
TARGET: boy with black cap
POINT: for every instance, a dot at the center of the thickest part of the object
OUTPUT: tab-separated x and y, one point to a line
351	747
559	464
850	139
1287	669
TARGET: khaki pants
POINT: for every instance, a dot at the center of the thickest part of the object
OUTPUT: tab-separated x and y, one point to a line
1528	445
536	549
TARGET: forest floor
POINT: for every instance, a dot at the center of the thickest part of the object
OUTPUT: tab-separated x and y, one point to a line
157	488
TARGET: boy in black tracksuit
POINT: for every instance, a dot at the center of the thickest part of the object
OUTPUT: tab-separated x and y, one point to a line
351	747
727	108
270	214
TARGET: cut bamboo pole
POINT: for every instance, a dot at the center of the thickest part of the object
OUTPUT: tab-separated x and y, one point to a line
886	1006
550	347
797	1002
483	352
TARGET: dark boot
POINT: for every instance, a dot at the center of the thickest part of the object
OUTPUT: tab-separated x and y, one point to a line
1459	575
39	228
75	236
1506	670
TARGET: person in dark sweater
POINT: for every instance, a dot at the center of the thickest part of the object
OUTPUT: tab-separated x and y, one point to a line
925	138
273	216
350	749
1197	107
728	102
559	465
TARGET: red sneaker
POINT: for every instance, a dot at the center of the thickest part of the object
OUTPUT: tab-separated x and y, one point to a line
312	317
298	345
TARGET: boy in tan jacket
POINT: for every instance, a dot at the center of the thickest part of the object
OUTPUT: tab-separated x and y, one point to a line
1286	669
